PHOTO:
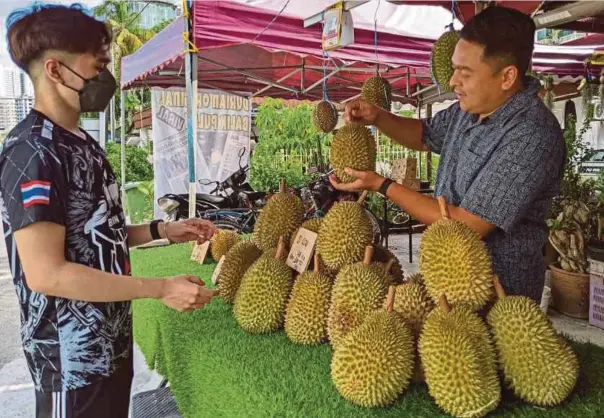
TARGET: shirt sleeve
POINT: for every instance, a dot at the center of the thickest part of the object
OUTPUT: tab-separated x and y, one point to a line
515	176
436	127
32	184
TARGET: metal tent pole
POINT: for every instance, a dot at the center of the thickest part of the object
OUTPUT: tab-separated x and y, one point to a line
123	145
191	87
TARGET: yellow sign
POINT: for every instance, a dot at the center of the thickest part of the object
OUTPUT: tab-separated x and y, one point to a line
338	28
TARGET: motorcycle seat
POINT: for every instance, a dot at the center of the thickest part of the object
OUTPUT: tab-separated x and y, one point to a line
210	198
254	195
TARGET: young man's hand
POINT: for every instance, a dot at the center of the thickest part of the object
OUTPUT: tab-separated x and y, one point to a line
361	111
187	230
186	293
366	180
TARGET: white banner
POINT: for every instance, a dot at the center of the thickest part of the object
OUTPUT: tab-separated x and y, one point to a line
223	128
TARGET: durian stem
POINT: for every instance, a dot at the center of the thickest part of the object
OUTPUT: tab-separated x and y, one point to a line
280	248
317	269
498	288
444	210
282	186
389	266
444	304
368	255
363	197
411	279
390	298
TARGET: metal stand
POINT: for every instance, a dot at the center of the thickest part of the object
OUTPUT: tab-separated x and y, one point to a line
156	403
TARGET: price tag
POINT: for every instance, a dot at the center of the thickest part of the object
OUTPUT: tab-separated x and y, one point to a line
217	270
302	250
200	251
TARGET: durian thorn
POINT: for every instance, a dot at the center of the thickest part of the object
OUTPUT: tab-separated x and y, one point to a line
317	270
368	255
390	298
282	186
411	279
389	266
280	248
444	210
444	304
363	197
498	288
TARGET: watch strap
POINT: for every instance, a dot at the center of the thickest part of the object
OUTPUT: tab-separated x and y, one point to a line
154	229
384	187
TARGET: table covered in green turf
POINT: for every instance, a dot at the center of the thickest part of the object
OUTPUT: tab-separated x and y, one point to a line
215	369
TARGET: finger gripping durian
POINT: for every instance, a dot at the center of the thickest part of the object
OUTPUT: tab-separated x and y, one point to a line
455	261
306	313
344	233
459	361
372	367
236	263
536	362
280	217
325	116
222	242
262	296
352	147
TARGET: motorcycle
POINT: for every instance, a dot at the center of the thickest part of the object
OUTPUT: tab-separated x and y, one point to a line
230	199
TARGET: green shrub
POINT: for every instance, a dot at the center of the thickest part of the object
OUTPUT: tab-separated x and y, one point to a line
138	168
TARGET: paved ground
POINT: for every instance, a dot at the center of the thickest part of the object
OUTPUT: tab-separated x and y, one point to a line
16	391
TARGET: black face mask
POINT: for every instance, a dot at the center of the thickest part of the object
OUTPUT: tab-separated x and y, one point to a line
97	91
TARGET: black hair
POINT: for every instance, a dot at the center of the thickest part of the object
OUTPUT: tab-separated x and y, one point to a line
507	36
43	27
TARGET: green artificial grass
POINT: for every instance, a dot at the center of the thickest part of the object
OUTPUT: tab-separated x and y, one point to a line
215	369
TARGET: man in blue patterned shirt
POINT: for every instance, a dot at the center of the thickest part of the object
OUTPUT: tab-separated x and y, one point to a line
501	150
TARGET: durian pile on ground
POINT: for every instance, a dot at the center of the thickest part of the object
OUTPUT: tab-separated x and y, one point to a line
217	369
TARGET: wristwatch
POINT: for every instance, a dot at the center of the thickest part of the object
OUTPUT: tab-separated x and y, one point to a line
153	228
384	187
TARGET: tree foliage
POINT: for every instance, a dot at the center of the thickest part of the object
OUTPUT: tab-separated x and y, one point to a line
138	167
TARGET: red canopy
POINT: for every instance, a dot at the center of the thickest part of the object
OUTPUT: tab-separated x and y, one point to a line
248	49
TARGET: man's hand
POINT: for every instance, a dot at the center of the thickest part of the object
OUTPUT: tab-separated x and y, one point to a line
366	180
361	111
186	293
188	230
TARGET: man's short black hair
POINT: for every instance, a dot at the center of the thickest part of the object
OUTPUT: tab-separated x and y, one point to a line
507	36
40	28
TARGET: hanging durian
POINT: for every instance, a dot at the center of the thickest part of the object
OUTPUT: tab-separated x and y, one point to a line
378	91
325	116
441	67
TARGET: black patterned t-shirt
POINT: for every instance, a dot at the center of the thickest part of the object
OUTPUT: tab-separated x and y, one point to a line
50	174
505	169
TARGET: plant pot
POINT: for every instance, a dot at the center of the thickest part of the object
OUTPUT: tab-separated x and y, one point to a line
570	292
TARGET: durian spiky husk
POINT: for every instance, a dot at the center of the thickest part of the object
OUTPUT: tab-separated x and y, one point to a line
441	68
236	263
222	242
307	309
374	363
459	362
314	224
262	296
357	291
344	233
456	262
325	116
536	362
378	91
352	147
280	217
383	255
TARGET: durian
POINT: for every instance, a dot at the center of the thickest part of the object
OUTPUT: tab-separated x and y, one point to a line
456	262
236	263
358	290
344	233
459	361
373	365
378	91
262	296
280	217
352	147
441	67
307	309
222	242
325	116
536	362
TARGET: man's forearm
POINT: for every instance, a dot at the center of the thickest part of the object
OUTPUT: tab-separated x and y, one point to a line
79	282
427	210
407	132
141	234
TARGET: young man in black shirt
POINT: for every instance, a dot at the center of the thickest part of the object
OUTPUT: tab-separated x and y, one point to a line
65	229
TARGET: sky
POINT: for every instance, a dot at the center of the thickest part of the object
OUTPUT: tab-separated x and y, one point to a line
7	6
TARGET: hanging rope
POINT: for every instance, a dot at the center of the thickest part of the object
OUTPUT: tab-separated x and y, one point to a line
186	35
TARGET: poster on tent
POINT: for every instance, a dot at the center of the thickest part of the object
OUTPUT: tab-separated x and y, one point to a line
223	129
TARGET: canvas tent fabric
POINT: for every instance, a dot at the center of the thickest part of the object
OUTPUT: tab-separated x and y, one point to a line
244	47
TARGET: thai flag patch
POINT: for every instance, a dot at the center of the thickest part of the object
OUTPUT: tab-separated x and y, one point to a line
35	192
